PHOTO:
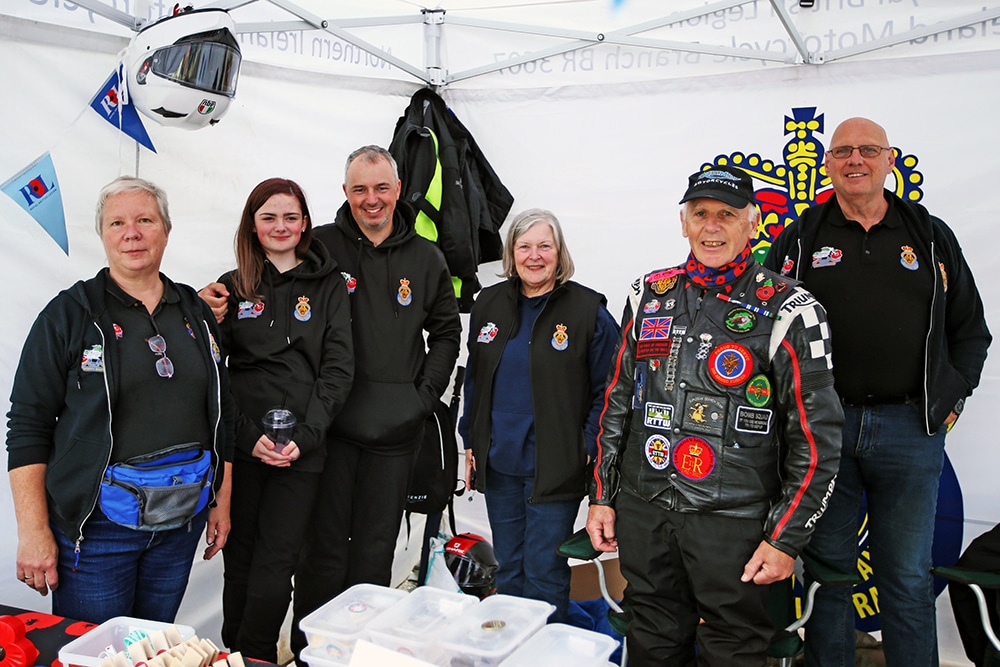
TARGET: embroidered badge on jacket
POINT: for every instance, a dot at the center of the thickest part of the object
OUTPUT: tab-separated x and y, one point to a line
404	295
759	391
694	458
350	281
826	256
216	354
654	338
659	415
560	339
303	311
662	282
740	320
705	413
908	258
752	420
488	333
730	364
249	309
93	359
658	451
662	286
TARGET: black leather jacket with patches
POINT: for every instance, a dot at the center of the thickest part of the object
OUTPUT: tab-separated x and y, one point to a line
723	402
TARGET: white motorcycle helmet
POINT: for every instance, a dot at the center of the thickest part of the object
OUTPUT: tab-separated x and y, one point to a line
182	70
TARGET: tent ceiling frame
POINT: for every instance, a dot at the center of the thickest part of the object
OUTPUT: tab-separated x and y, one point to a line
432	73
916	33
110	13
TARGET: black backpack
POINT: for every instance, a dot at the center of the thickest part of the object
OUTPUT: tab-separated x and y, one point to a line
435	479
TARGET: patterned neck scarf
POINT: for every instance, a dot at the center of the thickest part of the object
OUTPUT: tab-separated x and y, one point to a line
723	276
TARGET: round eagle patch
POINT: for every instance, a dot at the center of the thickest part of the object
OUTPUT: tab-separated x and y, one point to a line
730	364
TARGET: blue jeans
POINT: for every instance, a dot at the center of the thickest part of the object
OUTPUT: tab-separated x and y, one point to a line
525	538
125	572
886	454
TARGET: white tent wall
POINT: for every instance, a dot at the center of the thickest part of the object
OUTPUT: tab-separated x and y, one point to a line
610	159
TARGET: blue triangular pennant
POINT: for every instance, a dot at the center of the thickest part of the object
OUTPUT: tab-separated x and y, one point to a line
36	189
108	104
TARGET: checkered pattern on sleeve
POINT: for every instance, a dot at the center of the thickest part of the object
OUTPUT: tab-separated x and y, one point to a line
815	330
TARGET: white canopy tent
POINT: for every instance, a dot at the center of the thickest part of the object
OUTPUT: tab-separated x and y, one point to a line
595	109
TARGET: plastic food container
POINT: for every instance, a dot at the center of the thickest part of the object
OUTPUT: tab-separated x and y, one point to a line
559	645
332	630
413	624
492	630
108	638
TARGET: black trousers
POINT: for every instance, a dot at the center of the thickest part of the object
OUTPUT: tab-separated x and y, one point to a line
682	568
982	554
271	509
356	520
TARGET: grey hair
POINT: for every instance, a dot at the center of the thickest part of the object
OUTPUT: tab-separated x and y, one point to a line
372	154
124	184
524	221
753	215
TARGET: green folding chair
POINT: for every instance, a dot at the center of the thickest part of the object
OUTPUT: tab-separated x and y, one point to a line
578	546
787	644
977	580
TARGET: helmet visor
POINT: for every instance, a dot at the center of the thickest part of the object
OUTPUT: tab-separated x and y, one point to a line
470	573
209	66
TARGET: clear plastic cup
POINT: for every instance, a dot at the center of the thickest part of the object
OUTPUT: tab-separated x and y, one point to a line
279	424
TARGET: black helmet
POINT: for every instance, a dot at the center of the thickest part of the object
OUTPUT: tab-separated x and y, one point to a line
470	559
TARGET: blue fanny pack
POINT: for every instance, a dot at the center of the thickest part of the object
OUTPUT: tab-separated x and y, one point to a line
158	491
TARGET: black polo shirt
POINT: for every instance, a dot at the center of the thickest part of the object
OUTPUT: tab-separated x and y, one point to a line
153	412
876	287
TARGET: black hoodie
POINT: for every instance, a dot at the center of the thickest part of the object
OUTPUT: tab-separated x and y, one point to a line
291	349
398	290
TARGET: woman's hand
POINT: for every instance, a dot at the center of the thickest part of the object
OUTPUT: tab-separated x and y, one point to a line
37	555
263	449
219	523
37	552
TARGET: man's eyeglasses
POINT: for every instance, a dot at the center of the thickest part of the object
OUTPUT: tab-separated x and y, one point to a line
164	367
844	152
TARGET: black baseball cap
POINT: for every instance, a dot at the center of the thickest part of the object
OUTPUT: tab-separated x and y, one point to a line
727	184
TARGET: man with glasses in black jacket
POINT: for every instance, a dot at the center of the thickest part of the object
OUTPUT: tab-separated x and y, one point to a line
909	342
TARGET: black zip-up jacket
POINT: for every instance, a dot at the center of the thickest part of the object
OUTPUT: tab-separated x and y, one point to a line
716	408
447	177
291	349
562	390
61	417
957	336
398	290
